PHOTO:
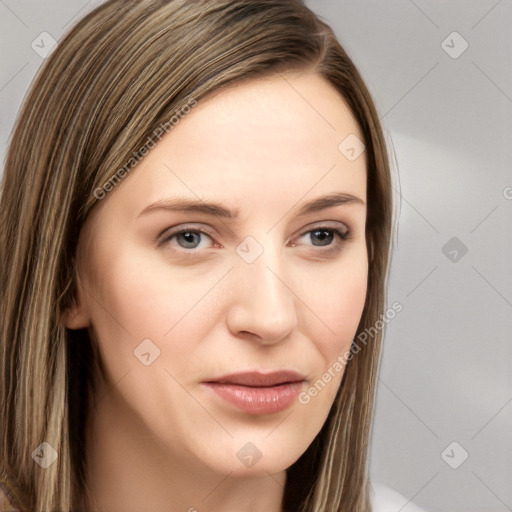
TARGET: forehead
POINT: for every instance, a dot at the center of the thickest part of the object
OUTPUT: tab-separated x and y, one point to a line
297	116
269	140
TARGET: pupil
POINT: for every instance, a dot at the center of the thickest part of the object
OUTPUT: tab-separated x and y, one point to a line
324	236
324	240
189	238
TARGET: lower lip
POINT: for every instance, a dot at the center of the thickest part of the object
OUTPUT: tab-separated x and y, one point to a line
254	400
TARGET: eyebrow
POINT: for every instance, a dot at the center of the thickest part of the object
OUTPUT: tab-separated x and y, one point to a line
183	204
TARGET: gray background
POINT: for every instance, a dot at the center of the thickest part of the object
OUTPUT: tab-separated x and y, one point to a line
447	363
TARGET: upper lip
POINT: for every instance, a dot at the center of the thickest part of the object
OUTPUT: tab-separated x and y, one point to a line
259	379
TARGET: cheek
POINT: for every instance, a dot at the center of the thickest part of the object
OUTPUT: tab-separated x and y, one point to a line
137	299
339	299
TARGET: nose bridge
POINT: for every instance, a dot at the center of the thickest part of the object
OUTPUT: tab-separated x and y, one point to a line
263	303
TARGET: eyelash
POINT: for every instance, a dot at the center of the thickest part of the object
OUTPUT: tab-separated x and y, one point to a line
327	249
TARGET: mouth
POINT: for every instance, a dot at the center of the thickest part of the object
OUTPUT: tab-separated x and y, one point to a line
259	379
258	393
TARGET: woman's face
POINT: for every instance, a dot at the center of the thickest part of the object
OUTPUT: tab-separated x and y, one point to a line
180	294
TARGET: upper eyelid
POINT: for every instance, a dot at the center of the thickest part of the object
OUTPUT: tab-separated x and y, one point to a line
313	225
176	230
323	224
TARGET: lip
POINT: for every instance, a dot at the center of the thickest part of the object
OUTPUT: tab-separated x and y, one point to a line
257	392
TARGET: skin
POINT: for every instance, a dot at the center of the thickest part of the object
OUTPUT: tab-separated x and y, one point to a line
158	440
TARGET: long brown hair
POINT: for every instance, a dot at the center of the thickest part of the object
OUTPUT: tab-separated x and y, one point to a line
122	71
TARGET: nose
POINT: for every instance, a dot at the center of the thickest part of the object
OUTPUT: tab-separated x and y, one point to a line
262	302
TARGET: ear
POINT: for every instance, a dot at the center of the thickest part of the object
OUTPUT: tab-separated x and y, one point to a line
76	316
370	250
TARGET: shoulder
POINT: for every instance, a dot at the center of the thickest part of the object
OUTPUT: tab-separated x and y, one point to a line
7	503
11	496
385	499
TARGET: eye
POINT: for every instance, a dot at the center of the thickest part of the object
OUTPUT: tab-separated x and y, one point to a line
187	238
324	236
191	240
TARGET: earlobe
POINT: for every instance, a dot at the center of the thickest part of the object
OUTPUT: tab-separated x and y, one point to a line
76	315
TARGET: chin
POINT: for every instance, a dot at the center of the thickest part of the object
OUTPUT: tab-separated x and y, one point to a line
256	457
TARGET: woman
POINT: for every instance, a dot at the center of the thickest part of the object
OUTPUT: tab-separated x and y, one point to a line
195	232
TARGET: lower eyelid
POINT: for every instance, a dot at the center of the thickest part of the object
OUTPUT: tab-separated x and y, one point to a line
343	236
